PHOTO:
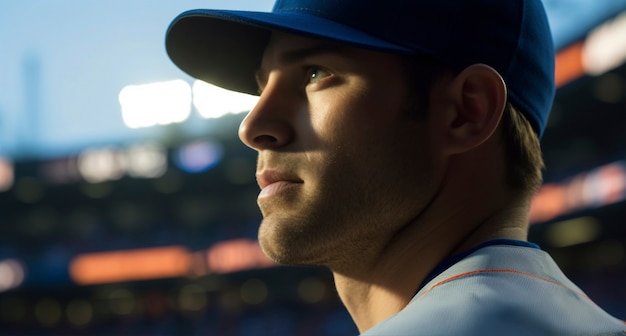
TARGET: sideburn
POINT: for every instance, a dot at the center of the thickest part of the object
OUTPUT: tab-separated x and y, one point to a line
422	74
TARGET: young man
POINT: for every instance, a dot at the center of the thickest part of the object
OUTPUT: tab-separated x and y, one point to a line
398	145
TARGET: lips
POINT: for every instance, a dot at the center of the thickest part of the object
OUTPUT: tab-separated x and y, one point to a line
269	177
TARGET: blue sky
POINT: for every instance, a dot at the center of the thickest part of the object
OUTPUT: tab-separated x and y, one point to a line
86	52
66	61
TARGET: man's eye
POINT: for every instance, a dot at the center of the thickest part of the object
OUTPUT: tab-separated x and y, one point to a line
315	74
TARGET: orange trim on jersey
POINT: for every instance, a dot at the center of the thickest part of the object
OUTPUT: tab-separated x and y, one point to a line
458	276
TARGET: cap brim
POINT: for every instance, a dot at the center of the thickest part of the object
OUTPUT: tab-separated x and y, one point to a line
225	47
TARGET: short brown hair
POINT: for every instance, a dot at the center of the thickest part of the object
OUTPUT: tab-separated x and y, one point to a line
523	151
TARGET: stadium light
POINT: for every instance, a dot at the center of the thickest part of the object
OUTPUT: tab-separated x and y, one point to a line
148	160
601	51
140	264
605	47
160	103
11	274
198	156
214	102
101	164
167	262
142	160
602	186
7	174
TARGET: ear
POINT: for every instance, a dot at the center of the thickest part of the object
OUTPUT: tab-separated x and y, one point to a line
479	97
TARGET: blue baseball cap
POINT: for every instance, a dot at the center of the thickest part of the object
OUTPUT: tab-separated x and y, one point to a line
225	47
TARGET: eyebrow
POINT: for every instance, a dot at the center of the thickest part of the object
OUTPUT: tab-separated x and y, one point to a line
296	55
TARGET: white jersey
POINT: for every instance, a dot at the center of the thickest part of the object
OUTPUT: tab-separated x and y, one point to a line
504	288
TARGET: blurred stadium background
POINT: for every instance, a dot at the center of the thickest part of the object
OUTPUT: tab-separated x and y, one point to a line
127	203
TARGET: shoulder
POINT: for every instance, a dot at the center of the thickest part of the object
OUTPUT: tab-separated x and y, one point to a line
479	306
480	296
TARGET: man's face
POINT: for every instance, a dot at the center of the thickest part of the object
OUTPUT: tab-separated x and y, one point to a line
341	163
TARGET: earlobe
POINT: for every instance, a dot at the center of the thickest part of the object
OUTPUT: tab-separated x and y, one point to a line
479	95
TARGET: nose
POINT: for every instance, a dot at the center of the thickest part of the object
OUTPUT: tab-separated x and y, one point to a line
268	124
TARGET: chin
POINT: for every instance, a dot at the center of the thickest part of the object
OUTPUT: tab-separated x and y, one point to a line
291	251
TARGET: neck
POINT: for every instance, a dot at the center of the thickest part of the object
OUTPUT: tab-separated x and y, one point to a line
376	291
470	207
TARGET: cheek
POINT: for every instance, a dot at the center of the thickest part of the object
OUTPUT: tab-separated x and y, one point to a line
360	121
353	114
